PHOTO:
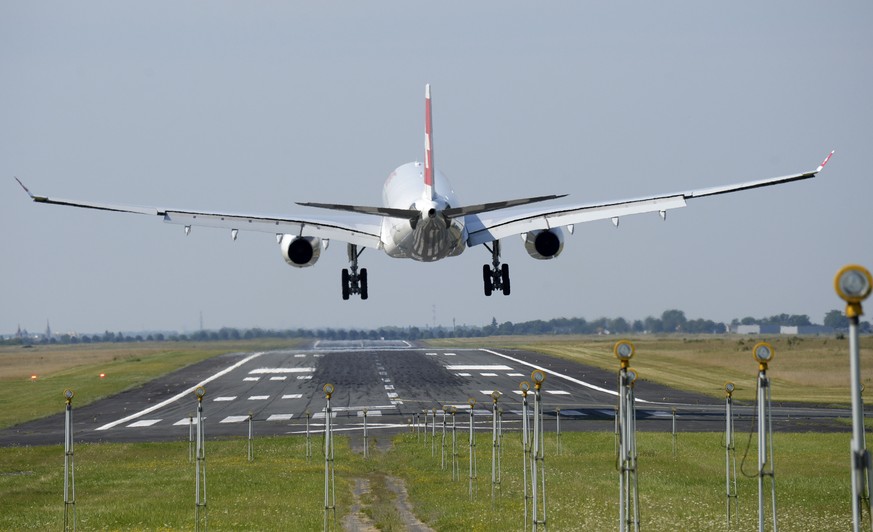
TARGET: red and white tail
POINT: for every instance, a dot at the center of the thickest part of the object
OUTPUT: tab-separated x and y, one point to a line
428	146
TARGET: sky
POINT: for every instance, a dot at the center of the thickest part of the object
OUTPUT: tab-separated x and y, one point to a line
250	107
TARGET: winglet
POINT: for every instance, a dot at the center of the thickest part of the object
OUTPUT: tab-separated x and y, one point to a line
428	145
823	163
25	188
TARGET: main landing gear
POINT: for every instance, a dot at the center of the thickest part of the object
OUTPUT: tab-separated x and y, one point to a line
496	276
354	282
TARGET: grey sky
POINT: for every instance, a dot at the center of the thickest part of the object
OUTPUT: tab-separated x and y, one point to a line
251	106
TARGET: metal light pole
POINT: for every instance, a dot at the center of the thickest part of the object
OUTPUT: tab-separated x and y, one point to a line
853	284
433	412
201	518
495	446
456	467
329	473
628	498
308	437
763	353
730	456
473	465
443	441
251	441
524	386
538	466
69	466
366	439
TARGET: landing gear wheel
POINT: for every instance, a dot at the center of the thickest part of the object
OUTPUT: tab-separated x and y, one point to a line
504	277
362	279
486	278
345	279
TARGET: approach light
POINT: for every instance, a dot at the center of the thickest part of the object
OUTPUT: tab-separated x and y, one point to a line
472	402
763	353
200	392
538	376
102	375
328	390
623	351
729	388
853	284
33	378
631	376
524	386
495	395
68	394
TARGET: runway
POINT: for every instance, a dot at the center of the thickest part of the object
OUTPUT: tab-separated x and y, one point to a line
396	384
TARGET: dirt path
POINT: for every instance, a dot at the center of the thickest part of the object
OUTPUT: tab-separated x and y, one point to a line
386	498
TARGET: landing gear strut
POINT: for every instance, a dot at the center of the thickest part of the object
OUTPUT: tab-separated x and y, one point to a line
496	276
354	282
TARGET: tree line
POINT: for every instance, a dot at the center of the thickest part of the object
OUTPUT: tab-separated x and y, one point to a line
670	322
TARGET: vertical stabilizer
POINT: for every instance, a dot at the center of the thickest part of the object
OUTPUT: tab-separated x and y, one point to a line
428	146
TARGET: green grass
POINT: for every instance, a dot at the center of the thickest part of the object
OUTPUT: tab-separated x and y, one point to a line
78	368
151	486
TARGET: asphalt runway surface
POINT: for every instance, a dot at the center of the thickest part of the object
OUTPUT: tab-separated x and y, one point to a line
398	386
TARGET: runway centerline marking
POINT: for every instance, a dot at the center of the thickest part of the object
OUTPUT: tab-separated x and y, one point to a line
480	367
179	395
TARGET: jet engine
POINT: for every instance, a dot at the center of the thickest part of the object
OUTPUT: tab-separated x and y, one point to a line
544	244
300	251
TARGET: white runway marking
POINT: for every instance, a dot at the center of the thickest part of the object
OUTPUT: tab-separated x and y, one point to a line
144	423
259	398
186	421
487	367
516	375
234	419
320	415
255	379
389	386
292	396
303	377
280	417
561	375
464	375
450	354
282	378
488	374
181	394
224	398
431	354
370	413
557	392
261	371
300	356
392	395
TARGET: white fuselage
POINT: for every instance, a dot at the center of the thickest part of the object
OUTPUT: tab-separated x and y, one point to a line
430	238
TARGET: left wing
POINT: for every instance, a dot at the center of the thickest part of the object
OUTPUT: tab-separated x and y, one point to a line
500	224
360	229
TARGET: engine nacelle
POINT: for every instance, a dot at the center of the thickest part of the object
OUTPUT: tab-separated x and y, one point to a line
300	251
544	244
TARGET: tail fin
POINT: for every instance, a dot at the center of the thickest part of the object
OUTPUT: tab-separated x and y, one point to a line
428	146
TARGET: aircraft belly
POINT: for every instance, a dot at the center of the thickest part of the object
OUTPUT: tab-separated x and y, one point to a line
430	241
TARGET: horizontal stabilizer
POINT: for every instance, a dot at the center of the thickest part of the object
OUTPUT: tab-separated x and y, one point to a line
376	211
454	212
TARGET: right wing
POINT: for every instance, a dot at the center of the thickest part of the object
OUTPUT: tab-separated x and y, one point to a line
356	228
500	224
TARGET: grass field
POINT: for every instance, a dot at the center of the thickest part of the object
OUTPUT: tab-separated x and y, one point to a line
804	369
151	486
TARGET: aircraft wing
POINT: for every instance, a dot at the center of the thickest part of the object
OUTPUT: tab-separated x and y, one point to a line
483	228
360	229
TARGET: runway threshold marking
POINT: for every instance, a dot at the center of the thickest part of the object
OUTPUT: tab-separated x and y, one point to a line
179	395
555	373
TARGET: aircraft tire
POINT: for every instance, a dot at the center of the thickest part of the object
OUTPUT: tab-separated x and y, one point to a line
345	280
504	278
486	279
362	279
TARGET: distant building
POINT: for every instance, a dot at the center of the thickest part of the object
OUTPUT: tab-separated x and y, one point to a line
782	329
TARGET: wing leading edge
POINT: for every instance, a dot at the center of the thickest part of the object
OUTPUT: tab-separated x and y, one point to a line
359	229
483	229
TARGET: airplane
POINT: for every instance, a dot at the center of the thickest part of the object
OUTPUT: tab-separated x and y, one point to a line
421	219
